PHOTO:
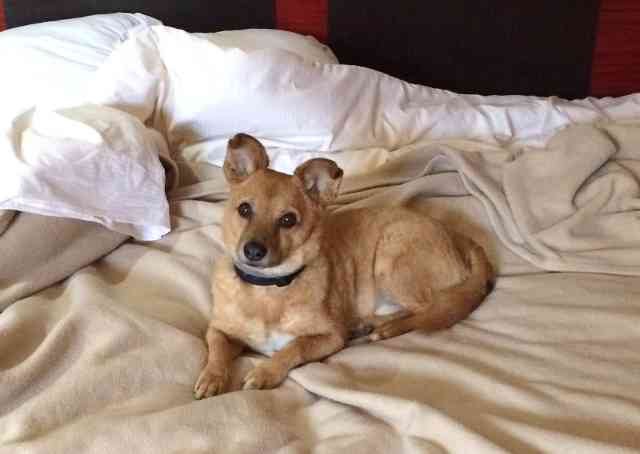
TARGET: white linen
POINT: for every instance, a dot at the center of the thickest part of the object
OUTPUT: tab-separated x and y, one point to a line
253	39
92	163
199	94
51	63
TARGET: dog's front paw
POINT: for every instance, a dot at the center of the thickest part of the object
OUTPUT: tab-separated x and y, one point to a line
264	376
210	383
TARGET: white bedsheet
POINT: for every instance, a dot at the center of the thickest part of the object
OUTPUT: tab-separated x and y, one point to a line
198	95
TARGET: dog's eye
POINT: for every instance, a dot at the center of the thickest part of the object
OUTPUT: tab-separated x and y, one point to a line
245	210
288	220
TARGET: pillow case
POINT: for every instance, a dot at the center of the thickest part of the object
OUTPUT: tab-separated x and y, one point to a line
46	71
50	63
87	162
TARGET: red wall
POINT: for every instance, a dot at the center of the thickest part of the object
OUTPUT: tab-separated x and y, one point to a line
616	58
3	23
308	17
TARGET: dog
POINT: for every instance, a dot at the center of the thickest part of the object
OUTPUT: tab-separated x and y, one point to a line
299	282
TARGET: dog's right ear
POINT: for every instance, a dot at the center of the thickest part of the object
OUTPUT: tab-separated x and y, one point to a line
245	155
320	179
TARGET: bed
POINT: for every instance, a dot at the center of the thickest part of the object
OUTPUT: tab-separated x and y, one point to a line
516	125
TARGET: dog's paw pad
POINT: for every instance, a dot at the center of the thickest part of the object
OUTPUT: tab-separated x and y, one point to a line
209	384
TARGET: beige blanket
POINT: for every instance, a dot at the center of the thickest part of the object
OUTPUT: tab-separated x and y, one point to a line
105	361
37	251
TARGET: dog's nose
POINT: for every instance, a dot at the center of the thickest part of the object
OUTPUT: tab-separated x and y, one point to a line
254	251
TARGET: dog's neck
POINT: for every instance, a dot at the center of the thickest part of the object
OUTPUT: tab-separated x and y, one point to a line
278	281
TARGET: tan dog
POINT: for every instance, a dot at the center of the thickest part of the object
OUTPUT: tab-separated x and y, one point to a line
298	281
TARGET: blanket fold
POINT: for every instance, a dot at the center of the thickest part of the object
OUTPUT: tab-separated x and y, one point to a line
571	206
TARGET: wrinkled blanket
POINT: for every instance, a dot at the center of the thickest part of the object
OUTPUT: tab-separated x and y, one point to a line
37	251
572	206
106	360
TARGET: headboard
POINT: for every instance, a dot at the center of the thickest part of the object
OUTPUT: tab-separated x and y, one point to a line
567	48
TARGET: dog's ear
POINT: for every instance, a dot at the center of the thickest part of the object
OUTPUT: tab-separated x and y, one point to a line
320	179
245	155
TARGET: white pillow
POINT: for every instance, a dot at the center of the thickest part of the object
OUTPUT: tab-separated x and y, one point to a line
51	63
88	162
250	40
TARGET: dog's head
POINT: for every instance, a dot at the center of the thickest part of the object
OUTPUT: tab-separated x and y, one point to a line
271	217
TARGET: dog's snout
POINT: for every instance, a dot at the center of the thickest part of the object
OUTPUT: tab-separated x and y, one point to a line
254	251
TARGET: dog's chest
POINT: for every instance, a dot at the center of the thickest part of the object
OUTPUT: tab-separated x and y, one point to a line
252	329
268	341
385	305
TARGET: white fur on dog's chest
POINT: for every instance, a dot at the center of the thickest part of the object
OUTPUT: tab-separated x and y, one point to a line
385	305
268	342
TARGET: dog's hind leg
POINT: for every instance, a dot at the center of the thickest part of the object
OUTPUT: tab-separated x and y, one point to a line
433	310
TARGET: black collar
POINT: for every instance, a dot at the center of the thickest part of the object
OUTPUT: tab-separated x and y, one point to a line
280	281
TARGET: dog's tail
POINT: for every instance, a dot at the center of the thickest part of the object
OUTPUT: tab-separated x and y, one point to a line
455	303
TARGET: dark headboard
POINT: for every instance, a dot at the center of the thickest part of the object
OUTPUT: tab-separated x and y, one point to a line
192	15
567	48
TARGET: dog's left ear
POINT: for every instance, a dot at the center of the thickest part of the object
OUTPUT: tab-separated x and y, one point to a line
320	179
245	155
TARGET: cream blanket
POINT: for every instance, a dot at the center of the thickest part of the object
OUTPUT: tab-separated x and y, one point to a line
37	251
106	361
